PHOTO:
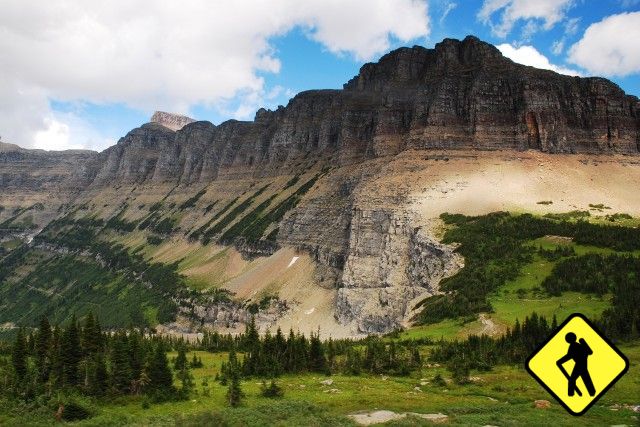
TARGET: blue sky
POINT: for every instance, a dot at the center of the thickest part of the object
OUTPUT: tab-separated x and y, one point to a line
106	69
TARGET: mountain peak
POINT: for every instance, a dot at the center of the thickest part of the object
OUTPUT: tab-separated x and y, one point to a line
170	120
410	65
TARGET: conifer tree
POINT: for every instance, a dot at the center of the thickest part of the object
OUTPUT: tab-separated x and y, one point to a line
181	360
99	378
160	377
234	392
19	355
71	353
91	335
56	356
136	353
186	379
317	360
120	364
196	362
42	350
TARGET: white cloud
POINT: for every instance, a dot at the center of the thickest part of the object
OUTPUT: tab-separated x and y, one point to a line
557	47
169	55
67	131
446	9
570	28
54	137
610	47
511	11
529	55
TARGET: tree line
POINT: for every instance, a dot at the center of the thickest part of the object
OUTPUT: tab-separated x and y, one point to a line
80	357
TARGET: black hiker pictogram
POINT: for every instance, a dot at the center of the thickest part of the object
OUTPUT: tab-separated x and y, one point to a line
578	352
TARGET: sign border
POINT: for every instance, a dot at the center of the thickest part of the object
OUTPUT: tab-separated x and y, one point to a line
601	335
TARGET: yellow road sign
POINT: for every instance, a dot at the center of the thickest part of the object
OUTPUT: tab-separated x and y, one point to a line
577	365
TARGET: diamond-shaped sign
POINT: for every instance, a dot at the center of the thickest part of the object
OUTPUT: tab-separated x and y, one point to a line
577	365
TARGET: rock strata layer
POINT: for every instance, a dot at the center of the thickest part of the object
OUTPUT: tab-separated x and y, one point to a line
462	94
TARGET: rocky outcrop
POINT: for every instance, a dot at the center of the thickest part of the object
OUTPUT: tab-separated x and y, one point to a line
171	120
390	267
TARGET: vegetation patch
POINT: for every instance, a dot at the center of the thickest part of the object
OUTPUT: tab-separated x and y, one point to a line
293	181
568	215
198	232
598	207
165	226
495	251
191	202
231	216
618	216
254	225
117	222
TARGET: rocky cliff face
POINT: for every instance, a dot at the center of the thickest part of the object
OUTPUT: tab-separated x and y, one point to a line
459	95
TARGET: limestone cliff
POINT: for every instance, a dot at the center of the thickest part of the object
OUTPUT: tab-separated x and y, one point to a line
460	95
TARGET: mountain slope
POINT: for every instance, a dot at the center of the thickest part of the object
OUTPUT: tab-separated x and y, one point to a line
349	181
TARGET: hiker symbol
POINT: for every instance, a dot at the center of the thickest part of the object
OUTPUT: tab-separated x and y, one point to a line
577	364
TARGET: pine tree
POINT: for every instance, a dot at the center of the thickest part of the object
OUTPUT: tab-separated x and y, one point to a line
331	355
19	356
98	375
196	362
120	364
91	335
56	357
42	350
136	353
251	343
160	377
234	392
181	360
71	353
317	360
186	379
272	390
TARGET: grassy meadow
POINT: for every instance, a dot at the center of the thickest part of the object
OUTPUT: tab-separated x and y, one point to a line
503	396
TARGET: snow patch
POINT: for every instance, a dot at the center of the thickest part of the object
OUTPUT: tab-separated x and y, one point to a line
293	261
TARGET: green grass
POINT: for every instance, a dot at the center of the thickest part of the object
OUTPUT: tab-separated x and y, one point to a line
520	297
503	396
10	245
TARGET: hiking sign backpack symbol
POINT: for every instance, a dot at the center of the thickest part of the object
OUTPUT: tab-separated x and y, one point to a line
577	364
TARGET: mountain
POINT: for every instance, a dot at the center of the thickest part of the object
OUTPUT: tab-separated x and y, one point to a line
323	212
170	120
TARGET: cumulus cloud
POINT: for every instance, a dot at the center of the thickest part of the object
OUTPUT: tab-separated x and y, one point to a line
529	55
168	55
610	47
550	12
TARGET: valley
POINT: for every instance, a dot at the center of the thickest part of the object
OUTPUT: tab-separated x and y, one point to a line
401	244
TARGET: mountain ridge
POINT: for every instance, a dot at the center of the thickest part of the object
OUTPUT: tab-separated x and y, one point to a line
340	176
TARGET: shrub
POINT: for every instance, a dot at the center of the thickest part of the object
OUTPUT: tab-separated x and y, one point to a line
273	390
